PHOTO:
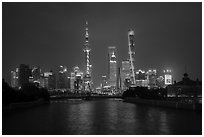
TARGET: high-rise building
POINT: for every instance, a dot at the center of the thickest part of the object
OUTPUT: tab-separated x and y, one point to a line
87	49
69	82
14	78
152	76
110	52
79	83
42	80
131	52
46	79
141	78
125	73
76	80
49	80
24	74
104	81
62	81
140	75
36	71
112	66
118	82
160	82
72	79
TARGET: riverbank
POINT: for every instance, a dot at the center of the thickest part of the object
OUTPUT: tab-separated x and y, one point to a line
23	105
81	97
165	103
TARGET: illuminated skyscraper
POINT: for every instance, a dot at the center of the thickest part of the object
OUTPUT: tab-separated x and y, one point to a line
125	73
49	80
87	75
112	66
24	73
131	52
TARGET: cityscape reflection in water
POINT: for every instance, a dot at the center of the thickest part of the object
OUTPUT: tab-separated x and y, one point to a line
102	116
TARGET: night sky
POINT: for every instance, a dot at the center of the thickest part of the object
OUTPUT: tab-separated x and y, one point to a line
167	35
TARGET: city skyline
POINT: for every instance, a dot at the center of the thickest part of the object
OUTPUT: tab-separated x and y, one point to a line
52	34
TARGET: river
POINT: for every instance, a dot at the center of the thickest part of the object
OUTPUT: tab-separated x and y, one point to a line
100	117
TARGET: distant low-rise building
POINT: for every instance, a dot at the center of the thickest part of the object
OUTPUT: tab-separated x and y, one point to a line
185	88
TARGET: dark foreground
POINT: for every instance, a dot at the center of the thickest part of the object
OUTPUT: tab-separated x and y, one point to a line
98	117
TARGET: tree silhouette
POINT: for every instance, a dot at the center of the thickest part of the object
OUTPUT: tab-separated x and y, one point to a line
28	92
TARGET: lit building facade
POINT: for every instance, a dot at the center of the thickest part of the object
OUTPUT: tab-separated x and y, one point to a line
112	66
140	75
76	80
14	78
72	79
104	81
168	80
69	82
78	83
151	77
118	82
141	78
47	80
125	74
